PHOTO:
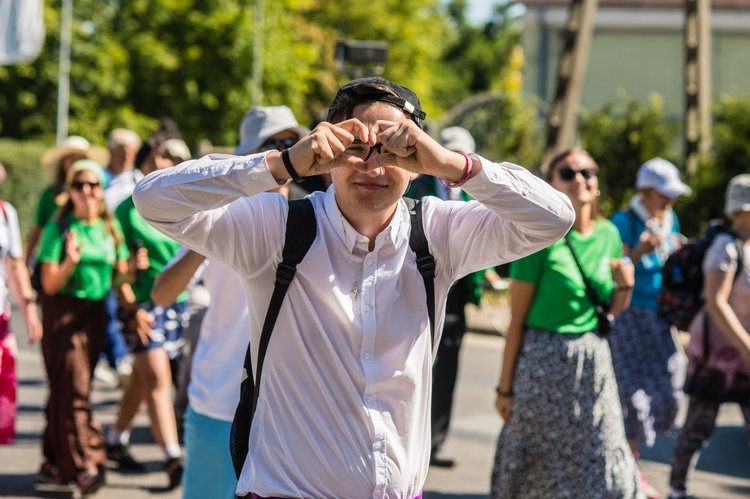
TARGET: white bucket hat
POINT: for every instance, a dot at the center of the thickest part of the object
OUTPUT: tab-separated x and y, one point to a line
455	138
737	197
260	123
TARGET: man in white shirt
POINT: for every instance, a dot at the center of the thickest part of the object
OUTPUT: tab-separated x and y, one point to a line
344	404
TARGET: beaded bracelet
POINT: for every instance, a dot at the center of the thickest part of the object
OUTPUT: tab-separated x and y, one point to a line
467	174
289	168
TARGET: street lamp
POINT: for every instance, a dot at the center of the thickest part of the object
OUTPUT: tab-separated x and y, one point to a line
360	58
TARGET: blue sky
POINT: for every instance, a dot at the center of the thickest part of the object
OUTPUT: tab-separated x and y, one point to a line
480	10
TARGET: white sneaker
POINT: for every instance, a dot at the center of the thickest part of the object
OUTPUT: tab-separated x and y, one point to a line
124	370
103	374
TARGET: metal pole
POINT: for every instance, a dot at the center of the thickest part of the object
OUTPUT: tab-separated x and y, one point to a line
63	79
258	29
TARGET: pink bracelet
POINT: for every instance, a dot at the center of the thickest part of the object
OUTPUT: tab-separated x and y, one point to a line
467	174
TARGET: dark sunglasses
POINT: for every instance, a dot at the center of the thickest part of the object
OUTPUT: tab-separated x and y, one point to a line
567	173
77	185
276	144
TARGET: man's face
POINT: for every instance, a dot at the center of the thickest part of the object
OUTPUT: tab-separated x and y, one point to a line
124	154
379	190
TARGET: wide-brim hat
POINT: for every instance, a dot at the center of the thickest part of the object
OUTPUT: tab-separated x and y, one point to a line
74	144
260	123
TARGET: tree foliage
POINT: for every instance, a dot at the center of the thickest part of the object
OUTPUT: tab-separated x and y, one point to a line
620	137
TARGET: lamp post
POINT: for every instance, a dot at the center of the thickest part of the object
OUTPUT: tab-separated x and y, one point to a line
360	58
63	79
257	84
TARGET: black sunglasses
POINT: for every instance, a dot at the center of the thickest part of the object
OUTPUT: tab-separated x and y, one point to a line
567	173
276	144
78	185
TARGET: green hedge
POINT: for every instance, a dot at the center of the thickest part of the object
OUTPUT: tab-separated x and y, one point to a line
26	178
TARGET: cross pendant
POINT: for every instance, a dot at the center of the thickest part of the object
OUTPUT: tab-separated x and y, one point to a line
354	294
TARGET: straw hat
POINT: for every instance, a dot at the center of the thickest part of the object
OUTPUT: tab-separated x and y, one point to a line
74	144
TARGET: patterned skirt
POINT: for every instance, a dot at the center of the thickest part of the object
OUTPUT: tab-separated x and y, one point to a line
565	437
650	374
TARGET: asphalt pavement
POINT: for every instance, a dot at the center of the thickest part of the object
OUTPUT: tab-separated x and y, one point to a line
723	469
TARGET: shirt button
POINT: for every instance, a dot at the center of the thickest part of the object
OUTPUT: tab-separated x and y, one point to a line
366	355
369	261
254	176
369	399
368	308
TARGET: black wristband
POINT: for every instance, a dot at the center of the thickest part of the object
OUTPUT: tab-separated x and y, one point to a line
289	167
502	393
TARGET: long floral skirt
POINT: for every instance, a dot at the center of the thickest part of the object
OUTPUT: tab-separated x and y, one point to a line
565	437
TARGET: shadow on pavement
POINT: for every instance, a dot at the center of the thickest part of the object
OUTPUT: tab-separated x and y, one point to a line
727	453
25	486
438	495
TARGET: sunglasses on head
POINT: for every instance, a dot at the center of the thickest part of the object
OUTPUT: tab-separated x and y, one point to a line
77	185
276	144
567	173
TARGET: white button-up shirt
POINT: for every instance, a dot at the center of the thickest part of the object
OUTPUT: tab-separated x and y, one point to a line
345	396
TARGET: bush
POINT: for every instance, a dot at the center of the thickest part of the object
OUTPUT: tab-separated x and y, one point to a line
621	137
731	156
26	178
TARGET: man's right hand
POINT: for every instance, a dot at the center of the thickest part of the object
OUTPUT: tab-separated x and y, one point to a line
321	150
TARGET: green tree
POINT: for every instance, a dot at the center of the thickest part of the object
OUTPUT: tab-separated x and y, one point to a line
620	137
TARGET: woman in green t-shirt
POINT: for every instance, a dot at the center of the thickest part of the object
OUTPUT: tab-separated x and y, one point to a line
58	161
82	255
563	433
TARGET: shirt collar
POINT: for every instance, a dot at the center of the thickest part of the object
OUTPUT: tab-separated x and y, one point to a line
339	223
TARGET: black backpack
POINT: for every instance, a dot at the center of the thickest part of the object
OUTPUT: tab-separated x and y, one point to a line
681	294
301	228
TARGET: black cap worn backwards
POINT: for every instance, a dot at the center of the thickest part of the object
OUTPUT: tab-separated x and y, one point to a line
375	88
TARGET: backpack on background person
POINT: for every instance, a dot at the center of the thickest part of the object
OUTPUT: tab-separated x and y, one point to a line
681	294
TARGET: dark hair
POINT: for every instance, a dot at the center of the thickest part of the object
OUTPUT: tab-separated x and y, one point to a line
374	89
557	159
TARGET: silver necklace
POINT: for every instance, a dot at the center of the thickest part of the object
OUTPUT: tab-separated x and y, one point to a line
355	286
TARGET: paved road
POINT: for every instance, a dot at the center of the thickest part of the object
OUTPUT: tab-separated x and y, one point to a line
724	468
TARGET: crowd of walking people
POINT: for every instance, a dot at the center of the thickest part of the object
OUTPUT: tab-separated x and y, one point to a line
358	379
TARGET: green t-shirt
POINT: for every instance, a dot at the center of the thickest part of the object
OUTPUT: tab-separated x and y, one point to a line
560	302
160	249
92	277
46	208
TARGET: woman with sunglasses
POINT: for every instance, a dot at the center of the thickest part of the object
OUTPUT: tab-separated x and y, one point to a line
82	255
650	371
563	434
156	353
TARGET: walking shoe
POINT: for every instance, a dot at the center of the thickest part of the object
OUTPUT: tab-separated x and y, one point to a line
173	467
49	475
121	455
647	488
88	483
441	462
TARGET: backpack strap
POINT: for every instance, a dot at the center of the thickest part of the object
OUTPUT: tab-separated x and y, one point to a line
301	229
633	226
425	260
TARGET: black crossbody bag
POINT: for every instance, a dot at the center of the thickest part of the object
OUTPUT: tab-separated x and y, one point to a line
606	320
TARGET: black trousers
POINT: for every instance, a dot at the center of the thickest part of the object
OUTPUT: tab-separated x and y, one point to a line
445	369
